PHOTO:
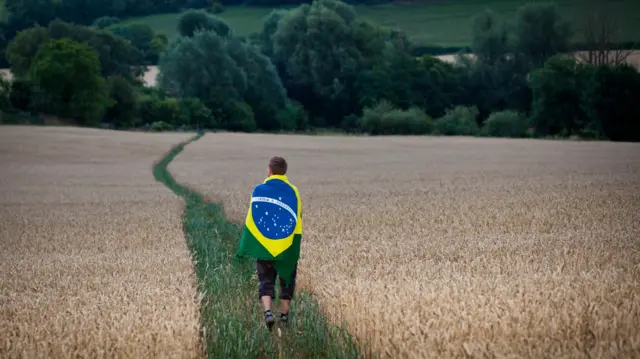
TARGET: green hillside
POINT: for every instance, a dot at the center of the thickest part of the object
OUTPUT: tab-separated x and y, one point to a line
441	23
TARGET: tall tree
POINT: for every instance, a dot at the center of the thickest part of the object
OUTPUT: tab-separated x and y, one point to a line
540	32
322	47
68	73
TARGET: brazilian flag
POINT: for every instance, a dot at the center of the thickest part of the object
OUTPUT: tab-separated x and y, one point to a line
273	227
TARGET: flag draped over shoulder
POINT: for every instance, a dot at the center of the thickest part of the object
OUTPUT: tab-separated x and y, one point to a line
273	227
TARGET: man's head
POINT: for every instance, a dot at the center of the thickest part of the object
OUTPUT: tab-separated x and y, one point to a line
277	166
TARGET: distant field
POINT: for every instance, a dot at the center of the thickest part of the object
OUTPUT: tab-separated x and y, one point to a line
437	22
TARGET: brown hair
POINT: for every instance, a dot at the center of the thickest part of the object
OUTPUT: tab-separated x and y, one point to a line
278	166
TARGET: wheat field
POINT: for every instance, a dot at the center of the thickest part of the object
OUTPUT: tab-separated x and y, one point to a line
455	247
94	262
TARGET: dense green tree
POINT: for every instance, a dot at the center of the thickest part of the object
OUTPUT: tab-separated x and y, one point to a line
404	81
610	101
540	32
321	48
226	73
68	74
143	39
490	43
23	14
496	80
116	55
123	109
557	96
23	48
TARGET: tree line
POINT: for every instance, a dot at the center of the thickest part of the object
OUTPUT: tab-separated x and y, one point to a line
319	65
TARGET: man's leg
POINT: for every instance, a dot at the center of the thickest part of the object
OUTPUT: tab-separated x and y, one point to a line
286	295
267	278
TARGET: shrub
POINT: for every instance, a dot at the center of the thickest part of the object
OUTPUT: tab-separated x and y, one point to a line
459	121
239	117
153	109
293	117
194	114
506	124
384	119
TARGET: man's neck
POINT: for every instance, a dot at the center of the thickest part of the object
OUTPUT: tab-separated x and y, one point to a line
280	177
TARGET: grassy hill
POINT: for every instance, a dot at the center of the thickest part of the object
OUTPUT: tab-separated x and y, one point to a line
446	23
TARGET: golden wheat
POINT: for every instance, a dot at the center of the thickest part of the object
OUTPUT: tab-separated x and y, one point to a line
455	247
94	262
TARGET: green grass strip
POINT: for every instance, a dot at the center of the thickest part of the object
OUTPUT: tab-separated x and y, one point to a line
232	317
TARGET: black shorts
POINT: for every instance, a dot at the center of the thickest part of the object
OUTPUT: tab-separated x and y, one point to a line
267	276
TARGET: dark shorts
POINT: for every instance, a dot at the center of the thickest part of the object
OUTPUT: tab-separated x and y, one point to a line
267	276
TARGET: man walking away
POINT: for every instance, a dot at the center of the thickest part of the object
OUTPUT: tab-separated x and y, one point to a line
272	233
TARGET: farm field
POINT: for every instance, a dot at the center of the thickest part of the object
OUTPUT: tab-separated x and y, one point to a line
454	247
94	262
446	23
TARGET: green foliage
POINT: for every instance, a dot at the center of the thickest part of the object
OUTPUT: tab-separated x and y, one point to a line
490	40
239	117
68	73
23	48
427	82
116	55
540	33
156	108
610	100
194	114
557	96
293	117
192	21
459	121
105	21
320	48
384	119
506	124
227	74
124	107
143	39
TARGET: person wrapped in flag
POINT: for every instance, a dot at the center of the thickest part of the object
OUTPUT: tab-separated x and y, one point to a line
271	234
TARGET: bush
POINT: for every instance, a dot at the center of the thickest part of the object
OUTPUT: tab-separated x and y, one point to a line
194	114
459	121
293	117
154	109
506	124
384	119
239	117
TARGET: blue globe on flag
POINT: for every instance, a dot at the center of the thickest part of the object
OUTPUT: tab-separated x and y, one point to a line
274	214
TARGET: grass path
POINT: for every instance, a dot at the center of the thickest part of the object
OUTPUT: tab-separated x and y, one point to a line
231	315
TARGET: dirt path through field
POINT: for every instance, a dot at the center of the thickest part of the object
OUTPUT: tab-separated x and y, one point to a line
94	261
